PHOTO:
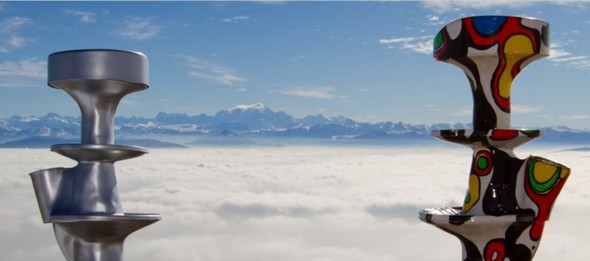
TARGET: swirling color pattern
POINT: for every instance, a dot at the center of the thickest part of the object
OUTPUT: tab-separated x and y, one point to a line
492	50
508	199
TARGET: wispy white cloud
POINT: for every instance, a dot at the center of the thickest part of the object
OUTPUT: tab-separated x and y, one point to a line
13	24
433	20
396	40
16	41
9	33
317	92
576	117
86	17
299	58
20	83
138	28
446	6
211	71
271	2
129	102
558	55
421	44
576	5
463	112
237	19
23	73
519	108
570	58
32	68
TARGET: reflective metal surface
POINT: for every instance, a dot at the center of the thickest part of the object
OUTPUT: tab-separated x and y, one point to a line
97	80
82	202
97	237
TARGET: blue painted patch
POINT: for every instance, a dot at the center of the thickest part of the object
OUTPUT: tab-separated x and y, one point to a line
488	25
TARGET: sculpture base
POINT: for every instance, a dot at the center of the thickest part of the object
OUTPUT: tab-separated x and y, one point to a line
485	237
97	237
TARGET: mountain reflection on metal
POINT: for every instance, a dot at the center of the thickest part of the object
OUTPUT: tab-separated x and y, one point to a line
508	199
82	202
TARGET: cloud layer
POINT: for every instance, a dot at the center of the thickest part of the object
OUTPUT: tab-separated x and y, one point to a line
289	203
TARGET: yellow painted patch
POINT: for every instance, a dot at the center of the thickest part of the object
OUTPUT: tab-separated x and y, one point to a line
519	45
516	48
473	192
564	173
543	171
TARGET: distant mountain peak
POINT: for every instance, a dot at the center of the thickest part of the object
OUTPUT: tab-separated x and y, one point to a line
312	120
257	106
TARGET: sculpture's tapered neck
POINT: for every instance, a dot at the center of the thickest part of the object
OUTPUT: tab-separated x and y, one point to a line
98	102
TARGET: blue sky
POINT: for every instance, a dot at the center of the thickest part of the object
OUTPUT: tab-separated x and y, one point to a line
370	61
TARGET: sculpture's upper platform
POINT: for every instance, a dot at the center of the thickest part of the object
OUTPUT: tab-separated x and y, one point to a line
492	35
98	64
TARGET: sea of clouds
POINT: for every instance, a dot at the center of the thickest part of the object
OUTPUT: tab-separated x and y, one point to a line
294	203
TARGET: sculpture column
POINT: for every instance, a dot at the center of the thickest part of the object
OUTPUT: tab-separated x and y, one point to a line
82	202
508	199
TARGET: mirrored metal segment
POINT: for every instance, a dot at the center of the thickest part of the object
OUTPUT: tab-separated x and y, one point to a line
82	202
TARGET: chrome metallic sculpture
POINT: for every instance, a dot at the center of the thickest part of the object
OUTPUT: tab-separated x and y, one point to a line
82	202
508	199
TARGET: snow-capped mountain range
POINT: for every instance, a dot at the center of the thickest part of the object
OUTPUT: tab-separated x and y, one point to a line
240	125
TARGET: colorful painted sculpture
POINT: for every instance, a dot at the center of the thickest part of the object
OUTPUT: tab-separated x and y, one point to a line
82	202
508	199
